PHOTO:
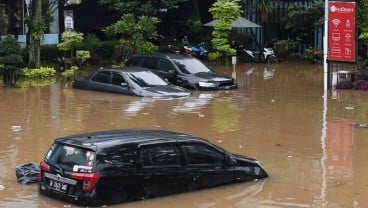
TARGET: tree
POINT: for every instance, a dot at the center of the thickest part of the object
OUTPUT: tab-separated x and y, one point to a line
303	20
141	7
135	34
362	6
225	12
38	19
10	60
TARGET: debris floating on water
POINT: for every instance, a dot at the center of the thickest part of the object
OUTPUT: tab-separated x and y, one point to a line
361	125
2	187
349	108
16	128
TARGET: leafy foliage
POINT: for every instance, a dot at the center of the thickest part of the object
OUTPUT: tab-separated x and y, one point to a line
135	34
302	21
69	41
224	11
41	73
141	7
10	59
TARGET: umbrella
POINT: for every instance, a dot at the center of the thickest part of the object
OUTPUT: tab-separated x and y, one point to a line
240	22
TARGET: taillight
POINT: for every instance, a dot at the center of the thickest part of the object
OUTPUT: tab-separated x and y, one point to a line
89	180
43	168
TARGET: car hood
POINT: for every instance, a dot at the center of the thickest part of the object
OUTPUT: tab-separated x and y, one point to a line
212	76
258	169
171	91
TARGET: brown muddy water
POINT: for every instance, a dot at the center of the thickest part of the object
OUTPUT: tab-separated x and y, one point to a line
304	136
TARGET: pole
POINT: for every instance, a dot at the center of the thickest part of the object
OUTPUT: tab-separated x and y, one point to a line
325	49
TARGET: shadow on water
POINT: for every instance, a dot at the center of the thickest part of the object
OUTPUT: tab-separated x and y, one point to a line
304	136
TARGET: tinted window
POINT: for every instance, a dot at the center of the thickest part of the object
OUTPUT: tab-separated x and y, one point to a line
103	77
191	65
165	66
70	158
122	157
150	63
117	79
135	61
202	154
159	155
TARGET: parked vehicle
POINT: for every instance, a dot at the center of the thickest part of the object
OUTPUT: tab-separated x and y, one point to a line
130	81
122	165
186	71
198	50
267	55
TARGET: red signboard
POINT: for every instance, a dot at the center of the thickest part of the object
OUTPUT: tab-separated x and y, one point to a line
341	31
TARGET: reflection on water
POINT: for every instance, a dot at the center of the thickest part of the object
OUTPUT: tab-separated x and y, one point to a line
306	138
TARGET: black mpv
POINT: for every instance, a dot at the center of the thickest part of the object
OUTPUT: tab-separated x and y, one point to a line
184	70
121	165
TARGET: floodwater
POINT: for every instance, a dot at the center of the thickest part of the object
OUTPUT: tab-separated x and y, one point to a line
304	136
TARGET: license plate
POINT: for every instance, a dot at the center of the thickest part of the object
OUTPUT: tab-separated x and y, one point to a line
58	186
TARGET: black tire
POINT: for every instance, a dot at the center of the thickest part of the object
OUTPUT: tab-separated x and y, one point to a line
272	61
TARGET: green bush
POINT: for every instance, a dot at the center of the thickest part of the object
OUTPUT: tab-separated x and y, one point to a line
41	73
50	53
11	60
106	48
283	48
69	74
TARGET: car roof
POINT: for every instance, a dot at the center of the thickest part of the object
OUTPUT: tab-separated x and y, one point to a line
126	69
164	55
107	139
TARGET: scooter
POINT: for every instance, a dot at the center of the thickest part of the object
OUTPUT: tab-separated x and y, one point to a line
198	50
245	55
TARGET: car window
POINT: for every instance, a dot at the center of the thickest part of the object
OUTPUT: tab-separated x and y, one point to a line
159	155
191	65
150	63
103	76
165	66
135	61
197	153
117	79
146	79
125	156
70	158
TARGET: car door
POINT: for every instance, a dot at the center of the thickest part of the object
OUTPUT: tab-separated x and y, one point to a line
118	168
119	84
206	165
162	171
167	70
101	81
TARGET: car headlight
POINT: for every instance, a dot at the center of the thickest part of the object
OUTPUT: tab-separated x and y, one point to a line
206	84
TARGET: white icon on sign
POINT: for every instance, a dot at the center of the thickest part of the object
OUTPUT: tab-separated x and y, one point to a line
347	23
336	22
347	37
335	36
335	50
347	51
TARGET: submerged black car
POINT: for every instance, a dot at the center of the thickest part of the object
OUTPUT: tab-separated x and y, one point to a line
121	165
183	70
130	81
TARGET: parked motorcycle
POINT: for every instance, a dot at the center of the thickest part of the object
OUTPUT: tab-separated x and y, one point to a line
198	50
267	55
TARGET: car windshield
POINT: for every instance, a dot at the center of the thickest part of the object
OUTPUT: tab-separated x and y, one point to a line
191	65
147	79
69	158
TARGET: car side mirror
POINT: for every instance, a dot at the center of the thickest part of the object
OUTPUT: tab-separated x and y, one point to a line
231	160
172	72
124	84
